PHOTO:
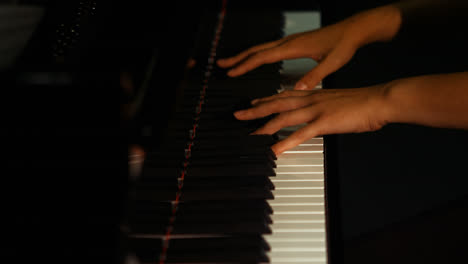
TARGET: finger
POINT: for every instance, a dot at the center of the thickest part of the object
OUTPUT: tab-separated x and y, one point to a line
228	62
271	55
296	138
283	94
335	60
285	119
272	107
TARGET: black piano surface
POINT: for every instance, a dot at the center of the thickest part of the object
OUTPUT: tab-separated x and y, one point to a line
397	195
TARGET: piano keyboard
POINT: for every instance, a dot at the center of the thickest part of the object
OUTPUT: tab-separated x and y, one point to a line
298	228
214	194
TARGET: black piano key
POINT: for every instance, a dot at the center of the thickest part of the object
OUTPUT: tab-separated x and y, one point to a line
254	140
195	160
226	249
162	160
232	206
146	249
222	183
213	243
238	249
154	195
248	170
136	226
226	184
241	87
232	161
208	208
252	227
242	193
228	256
235	152
158	208
202	228
238	169
161	172
198	217
156	186
157	183
188	220
179	145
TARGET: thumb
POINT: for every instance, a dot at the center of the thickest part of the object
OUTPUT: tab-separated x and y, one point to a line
309	81
335	60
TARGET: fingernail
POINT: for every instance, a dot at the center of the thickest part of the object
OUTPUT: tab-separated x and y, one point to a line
254	133
238	114
277	152
254	101
231	72
301	86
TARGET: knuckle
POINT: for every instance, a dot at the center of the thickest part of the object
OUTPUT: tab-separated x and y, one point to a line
281	103
260	57
287	93
281	118
316	96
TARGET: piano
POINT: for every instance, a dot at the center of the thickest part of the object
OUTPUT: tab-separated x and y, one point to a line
200	189
214	194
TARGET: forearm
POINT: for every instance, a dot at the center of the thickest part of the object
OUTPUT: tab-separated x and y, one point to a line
433	100
423	18
375	25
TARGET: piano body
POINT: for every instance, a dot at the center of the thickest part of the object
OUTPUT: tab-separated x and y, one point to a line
100	76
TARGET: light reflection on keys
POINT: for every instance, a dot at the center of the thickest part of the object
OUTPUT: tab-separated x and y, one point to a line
299	212
298	229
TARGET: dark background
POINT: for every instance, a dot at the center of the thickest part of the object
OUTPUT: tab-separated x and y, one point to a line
396	195
401	191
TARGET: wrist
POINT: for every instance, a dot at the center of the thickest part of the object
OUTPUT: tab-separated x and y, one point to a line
376	25
390	107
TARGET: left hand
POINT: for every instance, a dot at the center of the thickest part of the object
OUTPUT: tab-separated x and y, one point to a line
330	111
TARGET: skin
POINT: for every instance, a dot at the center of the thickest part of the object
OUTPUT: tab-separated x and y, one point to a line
432	100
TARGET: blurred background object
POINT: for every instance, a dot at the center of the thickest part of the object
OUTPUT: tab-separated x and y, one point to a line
17	24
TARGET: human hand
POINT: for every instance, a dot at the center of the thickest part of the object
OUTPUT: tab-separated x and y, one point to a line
325	111
332	46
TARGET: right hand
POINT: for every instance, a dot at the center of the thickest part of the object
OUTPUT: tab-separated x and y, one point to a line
326	111
332	46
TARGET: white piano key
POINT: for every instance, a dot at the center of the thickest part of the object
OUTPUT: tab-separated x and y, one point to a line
298	261
299	188
298	218
294	177
299	170
299	221
299	227
295	237
281	185
292	129
316	140
297	255
294	201
278	208
300	155
298	193
312	148
300	162
297	245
